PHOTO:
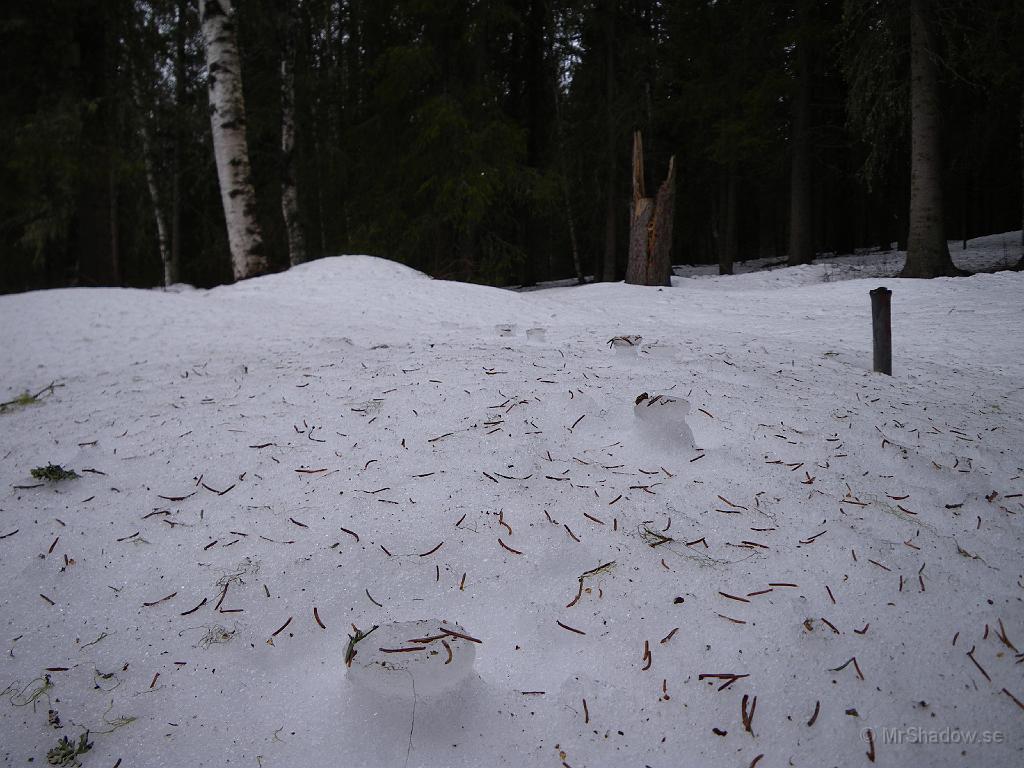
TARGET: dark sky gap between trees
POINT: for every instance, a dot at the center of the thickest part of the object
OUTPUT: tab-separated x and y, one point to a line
492	141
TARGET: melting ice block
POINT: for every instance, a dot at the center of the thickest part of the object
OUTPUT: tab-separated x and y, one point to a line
661	421
626	345
434	654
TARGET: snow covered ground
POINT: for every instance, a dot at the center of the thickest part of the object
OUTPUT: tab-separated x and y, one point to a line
828	572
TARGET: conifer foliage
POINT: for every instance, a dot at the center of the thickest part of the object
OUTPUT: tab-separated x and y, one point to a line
147	142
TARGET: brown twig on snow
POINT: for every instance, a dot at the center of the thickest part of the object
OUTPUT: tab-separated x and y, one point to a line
814	717
513	551
843	666
461	635
748	715
432	551
571	629
970	655
162	599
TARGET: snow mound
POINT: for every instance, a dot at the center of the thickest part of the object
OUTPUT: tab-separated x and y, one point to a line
357	267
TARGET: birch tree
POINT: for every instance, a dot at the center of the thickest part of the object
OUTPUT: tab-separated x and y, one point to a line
170	264
230	147
146	57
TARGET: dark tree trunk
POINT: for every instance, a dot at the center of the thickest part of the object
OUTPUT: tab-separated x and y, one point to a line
91	243
114	139
650	229
608	266
563	182
729	249
608	271
767	223
178	141
801	225
927	251
536	110
354	65
289	189
965	201
115	227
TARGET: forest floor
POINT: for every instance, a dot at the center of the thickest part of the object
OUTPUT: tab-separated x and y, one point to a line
776	558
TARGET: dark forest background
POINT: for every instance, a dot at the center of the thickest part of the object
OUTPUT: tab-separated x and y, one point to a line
490	141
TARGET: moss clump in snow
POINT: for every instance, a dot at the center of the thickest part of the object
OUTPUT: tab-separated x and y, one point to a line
54	472
66	752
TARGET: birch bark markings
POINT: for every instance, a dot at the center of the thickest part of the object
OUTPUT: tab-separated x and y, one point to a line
230	147
163	238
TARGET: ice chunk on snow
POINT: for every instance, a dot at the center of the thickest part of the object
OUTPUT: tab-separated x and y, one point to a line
434	654
626	345
661	421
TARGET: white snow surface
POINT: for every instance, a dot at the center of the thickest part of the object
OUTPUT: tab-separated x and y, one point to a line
487	450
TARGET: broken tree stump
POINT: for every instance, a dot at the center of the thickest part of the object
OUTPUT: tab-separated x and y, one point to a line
650	229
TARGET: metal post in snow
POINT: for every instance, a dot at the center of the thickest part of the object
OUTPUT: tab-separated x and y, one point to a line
881	330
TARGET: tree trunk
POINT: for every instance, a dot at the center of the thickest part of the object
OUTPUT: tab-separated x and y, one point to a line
608	271
90	243
115	226
179	107
801	225
117	78
141	82
611	210
730	241
289	192
149	163
650	228
162	235
927	251
1020	264
230	147
536	76
563	178
767	222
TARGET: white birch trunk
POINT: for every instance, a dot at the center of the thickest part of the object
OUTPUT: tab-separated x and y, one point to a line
149	163
231	150
162	236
